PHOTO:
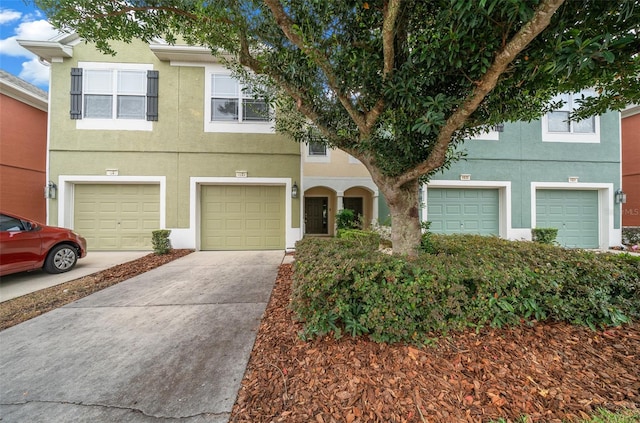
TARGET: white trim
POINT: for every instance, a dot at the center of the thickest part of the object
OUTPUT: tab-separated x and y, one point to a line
504	199
630	110
340	184
487	136
31	97
607	235
193	233
66	185
113	123
234	127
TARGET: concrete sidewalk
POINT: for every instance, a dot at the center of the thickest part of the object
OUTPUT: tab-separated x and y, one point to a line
18	284
170	344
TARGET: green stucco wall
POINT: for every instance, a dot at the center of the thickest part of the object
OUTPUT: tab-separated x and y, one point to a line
520	156
177	147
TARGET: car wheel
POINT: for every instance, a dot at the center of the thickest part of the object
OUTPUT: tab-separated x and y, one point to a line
61	259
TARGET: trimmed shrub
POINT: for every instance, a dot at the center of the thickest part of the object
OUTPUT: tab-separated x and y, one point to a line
544	235
160	241
346	219
342	286
365	239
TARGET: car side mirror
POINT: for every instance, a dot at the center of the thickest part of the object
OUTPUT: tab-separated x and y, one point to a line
28	226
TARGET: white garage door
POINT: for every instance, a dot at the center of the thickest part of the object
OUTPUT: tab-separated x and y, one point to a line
117	217
462	210
237	217
573	212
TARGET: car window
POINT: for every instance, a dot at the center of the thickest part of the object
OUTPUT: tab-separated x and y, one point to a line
10	224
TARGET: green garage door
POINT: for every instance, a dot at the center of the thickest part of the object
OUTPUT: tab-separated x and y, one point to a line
573	213
458	210
117	217
237	217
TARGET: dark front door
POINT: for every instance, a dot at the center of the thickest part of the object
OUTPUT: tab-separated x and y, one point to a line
316	211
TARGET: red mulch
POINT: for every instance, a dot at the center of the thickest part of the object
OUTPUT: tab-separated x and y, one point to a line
551	372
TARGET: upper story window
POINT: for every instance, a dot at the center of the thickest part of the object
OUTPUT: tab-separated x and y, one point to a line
317	149
232	107
557	127
114	96
230	102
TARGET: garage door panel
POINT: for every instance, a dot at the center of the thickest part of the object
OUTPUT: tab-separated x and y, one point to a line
463	210
117	217
573	212
251	217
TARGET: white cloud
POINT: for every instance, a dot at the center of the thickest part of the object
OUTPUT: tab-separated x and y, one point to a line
35	72
8	15
39	30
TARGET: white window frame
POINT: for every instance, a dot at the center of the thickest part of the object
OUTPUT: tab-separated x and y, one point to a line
114	123
487	136
575	137
253	127
316	158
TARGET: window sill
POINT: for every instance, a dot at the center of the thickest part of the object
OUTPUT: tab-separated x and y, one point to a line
114	124
237	127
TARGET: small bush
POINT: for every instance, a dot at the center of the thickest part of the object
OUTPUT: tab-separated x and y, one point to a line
426	246
342	286
346	219
161	242
544	235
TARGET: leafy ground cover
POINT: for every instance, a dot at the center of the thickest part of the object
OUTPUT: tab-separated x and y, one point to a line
31	305
347	286
548	372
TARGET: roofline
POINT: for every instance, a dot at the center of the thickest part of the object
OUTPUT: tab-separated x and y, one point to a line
23	95
184	53
47	50
631	110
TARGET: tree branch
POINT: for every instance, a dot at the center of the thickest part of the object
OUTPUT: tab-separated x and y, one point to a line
537	24
286	25
391	11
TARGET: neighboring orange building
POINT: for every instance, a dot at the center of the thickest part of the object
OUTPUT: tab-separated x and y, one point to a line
631	165
23	147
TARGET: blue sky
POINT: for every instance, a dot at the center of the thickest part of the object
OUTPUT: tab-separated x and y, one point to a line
20	19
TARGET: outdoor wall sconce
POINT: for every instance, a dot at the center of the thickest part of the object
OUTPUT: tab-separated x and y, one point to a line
50	190
294	190
620	197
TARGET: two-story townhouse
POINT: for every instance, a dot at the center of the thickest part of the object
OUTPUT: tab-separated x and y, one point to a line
23	147
539	174
162	136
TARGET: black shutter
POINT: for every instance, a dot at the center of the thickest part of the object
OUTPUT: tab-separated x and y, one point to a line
76	93
152	95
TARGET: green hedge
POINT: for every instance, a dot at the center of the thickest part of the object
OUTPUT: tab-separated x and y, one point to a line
366	239
342	286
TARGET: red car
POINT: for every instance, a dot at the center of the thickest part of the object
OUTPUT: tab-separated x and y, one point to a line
29	245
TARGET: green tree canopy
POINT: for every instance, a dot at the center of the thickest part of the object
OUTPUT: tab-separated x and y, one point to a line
396	83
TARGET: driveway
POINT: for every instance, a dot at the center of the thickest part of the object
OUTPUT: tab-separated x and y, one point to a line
170	344
18	284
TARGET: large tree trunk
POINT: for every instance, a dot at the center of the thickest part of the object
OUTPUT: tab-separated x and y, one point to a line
404	205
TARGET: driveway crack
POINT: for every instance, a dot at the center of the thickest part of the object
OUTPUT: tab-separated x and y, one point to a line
116	407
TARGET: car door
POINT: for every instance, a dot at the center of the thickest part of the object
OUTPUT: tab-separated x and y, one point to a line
20	245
